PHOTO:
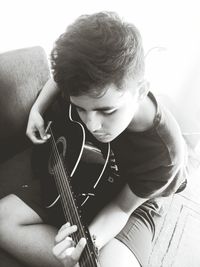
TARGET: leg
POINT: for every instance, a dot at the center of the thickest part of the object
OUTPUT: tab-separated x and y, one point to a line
115	253
24	235
132	246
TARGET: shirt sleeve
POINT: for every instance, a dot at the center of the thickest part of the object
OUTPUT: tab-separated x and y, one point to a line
154	163
160	180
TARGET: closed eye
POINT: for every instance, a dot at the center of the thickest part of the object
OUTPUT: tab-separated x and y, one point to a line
110	112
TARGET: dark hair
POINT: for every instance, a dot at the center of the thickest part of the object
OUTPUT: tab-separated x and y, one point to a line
95	51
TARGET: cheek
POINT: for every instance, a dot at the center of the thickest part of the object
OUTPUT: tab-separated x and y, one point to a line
82	116
117	122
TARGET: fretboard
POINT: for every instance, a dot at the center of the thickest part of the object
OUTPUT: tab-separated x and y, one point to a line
72	212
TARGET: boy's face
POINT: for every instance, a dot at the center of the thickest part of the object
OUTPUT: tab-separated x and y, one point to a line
109	115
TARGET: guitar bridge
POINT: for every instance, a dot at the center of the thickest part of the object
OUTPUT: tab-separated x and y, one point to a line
88	195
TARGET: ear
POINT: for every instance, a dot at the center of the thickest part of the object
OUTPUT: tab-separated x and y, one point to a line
143	89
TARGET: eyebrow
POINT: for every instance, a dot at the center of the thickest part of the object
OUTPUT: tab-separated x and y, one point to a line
106	108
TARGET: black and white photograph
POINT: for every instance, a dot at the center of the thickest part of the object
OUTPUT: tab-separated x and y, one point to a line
99	133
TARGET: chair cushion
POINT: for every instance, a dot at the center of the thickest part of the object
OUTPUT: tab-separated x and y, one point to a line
23	73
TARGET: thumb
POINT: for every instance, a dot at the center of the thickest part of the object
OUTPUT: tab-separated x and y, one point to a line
41	130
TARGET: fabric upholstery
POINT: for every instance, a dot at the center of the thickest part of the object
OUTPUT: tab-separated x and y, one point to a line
23	73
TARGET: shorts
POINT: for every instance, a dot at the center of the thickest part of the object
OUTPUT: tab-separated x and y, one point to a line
138	234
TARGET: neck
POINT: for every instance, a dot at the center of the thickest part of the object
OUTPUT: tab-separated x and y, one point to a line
144	116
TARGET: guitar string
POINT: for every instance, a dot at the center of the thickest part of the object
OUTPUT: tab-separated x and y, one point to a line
66	211
56	153
61	188
68	214
83	258
55	161
57	172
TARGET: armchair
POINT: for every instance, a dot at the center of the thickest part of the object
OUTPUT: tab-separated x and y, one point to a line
23	73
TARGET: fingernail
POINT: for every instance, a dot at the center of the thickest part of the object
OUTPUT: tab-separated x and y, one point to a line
46	137
74	228
82	241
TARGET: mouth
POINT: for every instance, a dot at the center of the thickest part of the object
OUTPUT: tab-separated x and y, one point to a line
102	137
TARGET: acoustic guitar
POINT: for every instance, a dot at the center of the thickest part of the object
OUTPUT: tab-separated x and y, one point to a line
75	167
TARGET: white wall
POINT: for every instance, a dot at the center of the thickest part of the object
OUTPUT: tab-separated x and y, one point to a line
172	24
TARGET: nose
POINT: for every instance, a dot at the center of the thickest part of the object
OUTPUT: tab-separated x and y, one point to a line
93	122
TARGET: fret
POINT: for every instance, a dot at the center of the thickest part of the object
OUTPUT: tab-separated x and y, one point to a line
71	210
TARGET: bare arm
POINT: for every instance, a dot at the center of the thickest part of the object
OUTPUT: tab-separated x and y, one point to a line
110	221
46	96
35	122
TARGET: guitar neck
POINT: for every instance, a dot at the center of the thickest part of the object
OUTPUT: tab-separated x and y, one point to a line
72	214
70	207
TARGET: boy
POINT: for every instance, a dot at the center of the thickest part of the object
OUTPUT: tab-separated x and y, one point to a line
98	66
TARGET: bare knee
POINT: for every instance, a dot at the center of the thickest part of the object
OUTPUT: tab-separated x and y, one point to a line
13	211
116	253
